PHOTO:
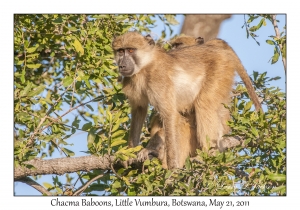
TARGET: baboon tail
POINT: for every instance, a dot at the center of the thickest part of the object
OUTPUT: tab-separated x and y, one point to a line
246	79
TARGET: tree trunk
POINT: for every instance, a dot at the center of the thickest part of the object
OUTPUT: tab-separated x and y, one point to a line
206	26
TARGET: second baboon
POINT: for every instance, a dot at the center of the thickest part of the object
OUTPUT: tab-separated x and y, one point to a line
183	41
197	78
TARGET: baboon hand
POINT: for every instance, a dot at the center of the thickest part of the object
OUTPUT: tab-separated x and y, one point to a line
145	154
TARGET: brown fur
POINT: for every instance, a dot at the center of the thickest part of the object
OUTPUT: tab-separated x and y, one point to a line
156	146
198	78
183	41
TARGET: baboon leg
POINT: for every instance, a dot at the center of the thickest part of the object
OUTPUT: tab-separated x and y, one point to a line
209	127
225	116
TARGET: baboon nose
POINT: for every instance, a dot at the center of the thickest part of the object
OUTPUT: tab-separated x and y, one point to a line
121	67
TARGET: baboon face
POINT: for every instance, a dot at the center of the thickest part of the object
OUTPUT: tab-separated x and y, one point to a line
132	52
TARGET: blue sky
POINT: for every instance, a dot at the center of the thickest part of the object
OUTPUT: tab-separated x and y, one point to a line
253	57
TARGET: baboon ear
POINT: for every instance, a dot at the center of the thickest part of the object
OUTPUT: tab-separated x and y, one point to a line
199	40
150	40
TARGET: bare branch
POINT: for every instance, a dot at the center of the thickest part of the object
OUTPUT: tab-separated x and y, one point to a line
35	185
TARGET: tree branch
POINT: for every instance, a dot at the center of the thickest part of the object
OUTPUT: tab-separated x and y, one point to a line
83	187
274	22
61	166
35	185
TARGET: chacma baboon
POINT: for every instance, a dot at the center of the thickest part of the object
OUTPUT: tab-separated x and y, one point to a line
187	130
197	78
183	41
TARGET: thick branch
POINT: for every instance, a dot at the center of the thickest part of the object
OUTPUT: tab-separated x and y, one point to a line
35	185
61	166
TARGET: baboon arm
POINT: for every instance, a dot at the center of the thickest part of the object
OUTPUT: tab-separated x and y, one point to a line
138	115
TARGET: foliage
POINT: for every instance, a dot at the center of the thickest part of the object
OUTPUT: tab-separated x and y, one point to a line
278	41
65	82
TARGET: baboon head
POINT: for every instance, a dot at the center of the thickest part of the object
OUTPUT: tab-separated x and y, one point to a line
184	41
132	52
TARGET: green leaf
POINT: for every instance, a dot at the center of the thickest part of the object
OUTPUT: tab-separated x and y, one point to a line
254	131
171	19
262	21
168	174
253	28
90	107
275	58
278	189
32	49
68	152
248	106
78	47
67	81
86	126
271	42
37	91
26	89
91	138
58	20
131	191
118	142
188	164
59	191
47	185
33	66
116	126
116	184
277	177
118	134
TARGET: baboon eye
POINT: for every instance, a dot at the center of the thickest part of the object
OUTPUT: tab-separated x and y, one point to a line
176	45
130	50
121	51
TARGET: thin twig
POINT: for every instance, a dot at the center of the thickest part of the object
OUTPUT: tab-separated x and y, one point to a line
70	110
35	185
82	188
31	140
274	22
117	175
